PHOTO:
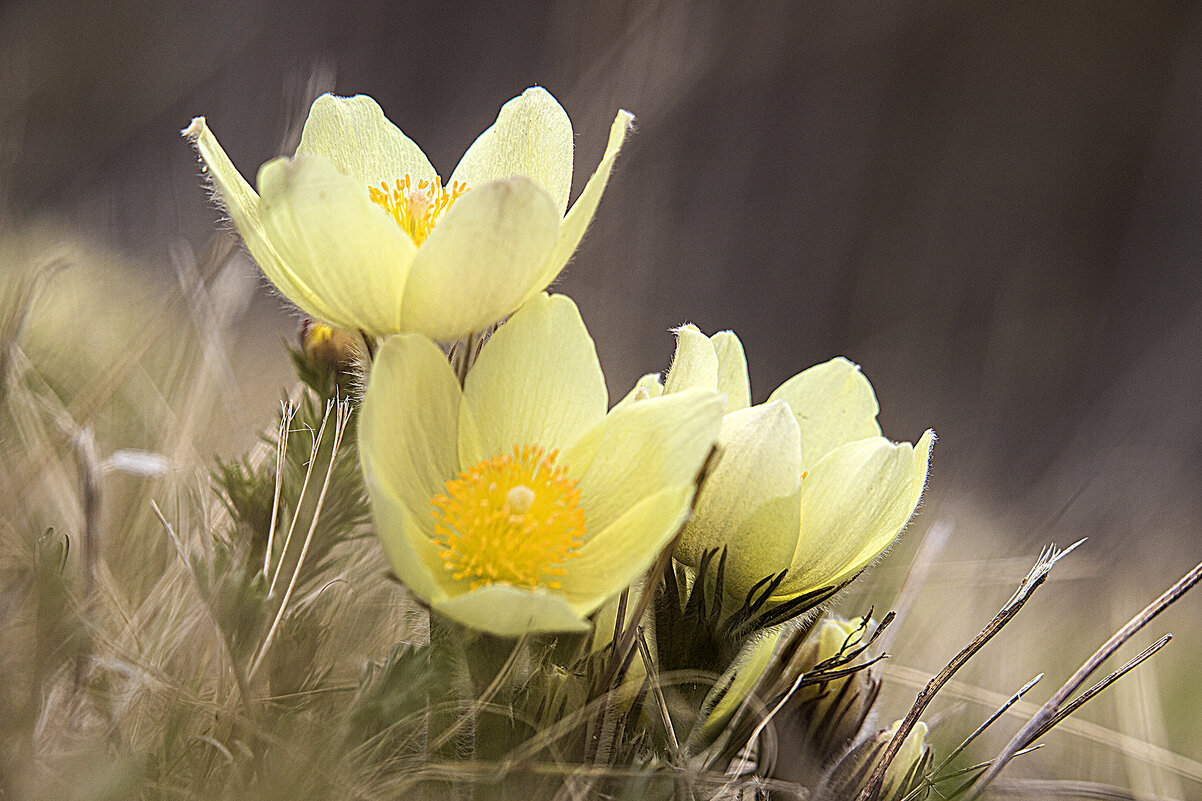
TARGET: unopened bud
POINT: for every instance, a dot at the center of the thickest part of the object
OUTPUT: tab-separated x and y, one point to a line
330	347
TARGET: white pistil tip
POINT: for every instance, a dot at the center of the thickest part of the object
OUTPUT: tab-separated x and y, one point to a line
520	499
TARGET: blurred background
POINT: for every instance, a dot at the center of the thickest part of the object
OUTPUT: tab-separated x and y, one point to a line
991	206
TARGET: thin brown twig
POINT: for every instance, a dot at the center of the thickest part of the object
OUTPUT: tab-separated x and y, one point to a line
1038	574
1028	732
658	691
1089	694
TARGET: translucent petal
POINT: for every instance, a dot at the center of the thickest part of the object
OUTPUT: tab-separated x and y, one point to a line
740	680
533	137
647	445
732	370
345	247
854	503
622	551
537	382
695	364
749	499
354	134
647	387
481	261
413	556
408	423
242	204
510	611
833	403
581	214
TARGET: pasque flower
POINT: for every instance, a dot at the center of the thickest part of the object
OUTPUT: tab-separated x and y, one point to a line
359	231
804	483
516	503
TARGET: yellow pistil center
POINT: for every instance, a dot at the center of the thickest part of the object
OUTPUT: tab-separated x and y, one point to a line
512	519
416	209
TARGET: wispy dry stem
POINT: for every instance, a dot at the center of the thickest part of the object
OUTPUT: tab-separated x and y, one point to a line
1039	573
1036	725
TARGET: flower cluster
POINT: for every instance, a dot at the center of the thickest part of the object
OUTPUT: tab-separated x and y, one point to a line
683	529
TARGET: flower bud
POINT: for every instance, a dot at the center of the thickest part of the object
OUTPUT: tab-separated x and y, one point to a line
904	774
822	719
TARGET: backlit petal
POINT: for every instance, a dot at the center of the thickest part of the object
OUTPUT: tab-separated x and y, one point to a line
343	246
695	363
833	403
408	422
624	549
241	202
537	382
412	554
533	137
354	134
481	261
854	503
578	218
512	611
648	445
732	370
749	500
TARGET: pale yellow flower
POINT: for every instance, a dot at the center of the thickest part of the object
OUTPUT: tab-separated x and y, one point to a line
805	483
517	504
359	231
904	774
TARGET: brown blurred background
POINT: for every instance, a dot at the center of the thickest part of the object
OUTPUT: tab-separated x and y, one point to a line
992	206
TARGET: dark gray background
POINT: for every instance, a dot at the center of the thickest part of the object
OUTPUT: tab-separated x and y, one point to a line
992	206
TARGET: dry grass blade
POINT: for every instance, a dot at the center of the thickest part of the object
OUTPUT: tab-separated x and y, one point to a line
660	702
1036	577
287	412
240	679
342	415
1014	699
1086	696
1049	710
1045	788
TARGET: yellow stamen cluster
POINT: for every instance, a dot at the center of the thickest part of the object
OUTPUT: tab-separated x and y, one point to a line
416	209
512	519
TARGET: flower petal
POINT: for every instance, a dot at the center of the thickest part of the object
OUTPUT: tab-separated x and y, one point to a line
659	442
533	137
481	261
739	680
732	370
647	387
833	403
749	501
510	611
354	134
695	364
617	555
412	554
537	382
408	423
854	502
343	246
242	204
581	214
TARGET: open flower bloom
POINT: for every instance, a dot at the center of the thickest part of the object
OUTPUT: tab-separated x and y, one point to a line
804	483
517	504
359	231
